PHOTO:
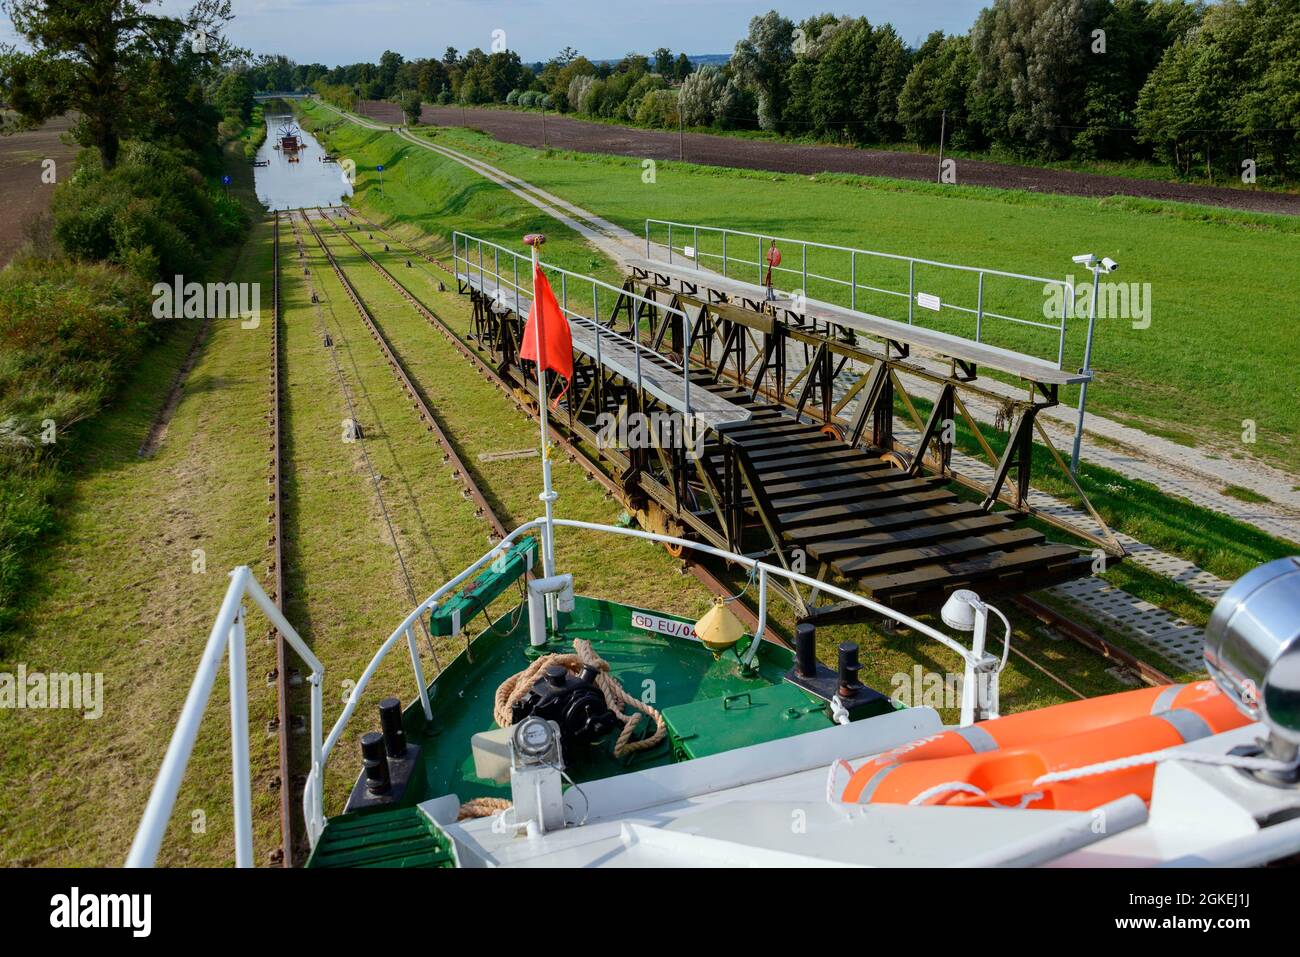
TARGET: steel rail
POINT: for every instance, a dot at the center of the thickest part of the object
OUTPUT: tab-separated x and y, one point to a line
575	453
283	719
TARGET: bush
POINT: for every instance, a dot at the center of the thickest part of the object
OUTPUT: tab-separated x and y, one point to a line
512	97
528	99
658	108
152	212
69	332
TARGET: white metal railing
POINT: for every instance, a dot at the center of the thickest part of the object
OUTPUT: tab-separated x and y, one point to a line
228	638
228	633
666	235
509	291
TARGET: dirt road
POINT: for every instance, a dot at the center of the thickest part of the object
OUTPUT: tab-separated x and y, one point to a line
564	132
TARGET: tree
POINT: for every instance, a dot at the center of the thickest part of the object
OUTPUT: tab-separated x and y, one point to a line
663	61
1031	60
409	101
761	61
101	59
682	68
235	96
567	56
937	83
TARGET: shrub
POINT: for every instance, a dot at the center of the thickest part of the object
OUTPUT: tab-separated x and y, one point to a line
512	97
658	108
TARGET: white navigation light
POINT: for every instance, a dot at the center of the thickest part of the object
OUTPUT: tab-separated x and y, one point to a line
1252	649
959	610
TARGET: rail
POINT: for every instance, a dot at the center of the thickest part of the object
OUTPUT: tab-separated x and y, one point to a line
846	260
228	636
509	292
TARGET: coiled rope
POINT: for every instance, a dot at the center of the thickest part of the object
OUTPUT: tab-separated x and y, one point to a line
616	699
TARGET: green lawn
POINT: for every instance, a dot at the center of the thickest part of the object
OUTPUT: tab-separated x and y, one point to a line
1219	345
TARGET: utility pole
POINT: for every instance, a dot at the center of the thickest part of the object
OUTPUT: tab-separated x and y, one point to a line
943	129
544	144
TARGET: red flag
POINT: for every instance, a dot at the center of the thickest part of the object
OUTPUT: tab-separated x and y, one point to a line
557	343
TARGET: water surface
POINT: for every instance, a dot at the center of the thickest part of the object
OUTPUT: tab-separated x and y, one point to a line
307	183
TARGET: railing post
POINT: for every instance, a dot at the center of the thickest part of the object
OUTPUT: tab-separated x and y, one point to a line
418	667
670	243
911	288
317	758
805	270
516	285
1066	308
688	330
697	247
647	239
240	770
853	280
979	309
752	653
724	254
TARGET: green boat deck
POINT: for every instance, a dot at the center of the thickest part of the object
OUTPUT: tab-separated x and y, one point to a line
710	703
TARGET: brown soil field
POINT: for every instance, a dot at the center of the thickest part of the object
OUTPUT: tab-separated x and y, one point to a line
566	133
23	195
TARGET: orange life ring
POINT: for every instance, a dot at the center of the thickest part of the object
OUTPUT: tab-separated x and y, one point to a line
1002	758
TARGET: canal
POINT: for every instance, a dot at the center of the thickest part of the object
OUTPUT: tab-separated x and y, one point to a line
309	182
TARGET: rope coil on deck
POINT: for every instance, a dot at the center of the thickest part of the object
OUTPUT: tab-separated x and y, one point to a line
616	698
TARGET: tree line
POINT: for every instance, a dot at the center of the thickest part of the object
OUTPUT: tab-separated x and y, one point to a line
1204	87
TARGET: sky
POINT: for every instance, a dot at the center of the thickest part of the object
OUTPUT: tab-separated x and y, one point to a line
351	31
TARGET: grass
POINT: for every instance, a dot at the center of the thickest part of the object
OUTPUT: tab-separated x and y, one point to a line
118	595
1129	168
1216	277
1245	494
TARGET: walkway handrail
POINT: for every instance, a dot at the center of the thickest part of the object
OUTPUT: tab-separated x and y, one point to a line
228	635
484	268
911	295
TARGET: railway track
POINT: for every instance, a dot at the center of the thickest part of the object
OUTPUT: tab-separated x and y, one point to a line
284	855
1042	613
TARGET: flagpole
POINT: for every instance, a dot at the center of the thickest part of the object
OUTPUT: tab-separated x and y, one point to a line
548	496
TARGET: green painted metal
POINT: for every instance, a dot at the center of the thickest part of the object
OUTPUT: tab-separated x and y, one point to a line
737	720
678	675
461	607
400	837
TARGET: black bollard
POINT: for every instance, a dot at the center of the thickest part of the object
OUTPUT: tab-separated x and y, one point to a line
390	720
375	762
849	668
805	648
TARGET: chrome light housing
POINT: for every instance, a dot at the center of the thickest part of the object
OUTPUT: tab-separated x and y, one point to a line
1252	647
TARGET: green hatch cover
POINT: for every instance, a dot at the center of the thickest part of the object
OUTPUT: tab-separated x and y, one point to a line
460	608
736	721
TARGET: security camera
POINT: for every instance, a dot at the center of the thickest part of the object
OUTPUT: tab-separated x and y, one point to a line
1109	265
1086	259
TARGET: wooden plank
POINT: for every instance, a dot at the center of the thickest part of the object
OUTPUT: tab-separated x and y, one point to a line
805	453
900	559
1016	582
794	518
862	547
812	492
742	432
884	523
833	469
968	571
